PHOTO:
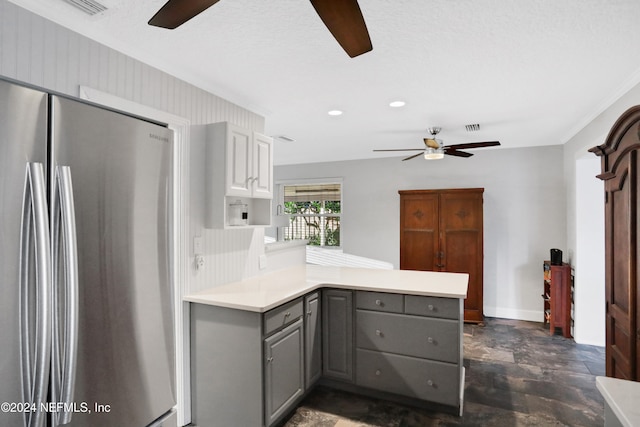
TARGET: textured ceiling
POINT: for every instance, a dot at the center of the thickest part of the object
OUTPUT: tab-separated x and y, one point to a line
530	72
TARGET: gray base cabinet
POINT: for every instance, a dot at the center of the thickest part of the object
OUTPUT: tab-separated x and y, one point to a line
283	370
251	369
313	339
337	333
247	368
410	346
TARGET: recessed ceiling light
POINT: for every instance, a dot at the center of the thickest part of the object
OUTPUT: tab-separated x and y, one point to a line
396	104
335	113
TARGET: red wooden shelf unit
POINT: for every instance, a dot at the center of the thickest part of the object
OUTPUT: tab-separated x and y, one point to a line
558	298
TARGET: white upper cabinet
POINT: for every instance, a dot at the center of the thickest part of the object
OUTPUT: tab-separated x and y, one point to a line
262	178
239	170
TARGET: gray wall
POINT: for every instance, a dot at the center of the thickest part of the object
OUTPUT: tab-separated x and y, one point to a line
524	211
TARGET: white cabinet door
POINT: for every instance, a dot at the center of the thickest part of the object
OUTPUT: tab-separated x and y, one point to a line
262	176
239	166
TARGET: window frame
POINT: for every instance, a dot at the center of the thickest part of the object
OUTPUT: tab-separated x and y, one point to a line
279	198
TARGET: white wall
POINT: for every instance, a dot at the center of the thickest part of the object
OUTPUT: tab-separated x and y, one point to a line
524	213
589	295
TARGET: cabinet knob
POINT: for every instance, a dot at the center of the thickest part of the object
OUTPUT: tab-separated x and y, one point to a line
430	307
378	372
378	302
440	265
309	313
287	314
430	383
269	359
379	332
430	340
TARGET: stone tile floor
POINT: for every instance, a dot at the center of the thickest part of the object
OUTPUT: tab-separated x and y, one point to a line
516	375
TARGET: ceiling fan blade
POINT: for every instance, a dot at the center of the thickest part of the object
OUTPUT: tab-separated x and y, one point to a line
474	145
344	20
402	149
412	157
457	153
176	12
430	142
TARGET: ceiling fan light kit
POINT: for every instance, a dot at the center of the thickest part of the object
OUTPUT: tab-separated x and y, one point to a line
433	153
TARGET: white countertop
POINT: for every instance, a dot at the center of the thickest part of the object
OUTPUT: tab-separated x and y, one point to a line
622	397
262	293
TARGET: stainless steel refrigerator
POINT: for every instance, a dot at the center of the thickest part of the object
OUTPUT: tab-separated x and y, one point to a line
86	325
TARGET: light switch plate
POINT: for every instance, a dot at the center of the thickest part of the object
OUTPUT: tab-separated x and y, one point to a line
197	245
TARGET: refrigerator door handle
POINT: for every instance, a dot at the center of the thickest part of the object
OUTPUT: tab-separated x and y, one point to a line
65	298
35	344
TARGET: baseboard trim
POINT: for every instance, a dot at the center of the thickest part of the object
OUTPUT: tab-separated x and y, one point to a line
515	314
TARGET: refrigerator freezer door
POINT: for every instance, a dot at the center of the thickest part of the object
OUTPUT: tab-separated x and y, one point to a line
23	133
120	168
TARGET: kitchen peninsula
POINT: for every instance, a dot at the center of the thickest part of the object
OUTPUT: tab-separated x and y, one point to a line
259	345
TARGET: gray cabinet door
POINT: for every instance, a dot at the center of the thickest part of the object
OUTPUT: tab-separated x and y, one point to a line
337	333
313	339
284	370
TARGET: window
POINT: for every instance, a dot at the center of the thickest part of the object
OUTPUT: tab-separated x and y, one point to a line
315	212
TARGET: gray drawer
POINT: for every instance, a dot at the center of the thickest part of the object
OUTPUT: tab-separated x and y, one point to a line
437	339
418	378
447	308
282	316
380	301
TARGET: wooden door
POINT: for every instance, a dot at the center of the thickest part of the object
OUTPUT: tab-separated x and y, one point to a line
461	242
419	248
620	173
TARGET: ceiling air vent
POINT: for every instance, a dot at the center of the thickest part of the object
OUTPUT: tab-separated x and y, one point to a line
284	138
90	7
472	127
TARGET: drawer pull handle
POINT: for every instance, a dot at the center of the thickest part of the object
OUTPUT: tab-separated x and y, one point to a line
309	313
378	302
430	383
430	307
379	332
378	372
430	340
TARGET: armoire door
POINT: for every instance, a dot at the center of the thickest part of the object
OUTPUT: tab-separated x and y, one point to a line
419	222
442	230
620	319
620	175
461	244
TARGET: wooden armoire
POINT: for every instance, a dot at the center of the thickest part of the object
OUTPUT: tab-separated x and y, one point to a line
442	230
620	156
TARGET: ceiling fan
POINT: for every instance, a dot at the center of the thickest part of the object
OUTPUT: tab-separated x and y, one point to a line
435	148
343	18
